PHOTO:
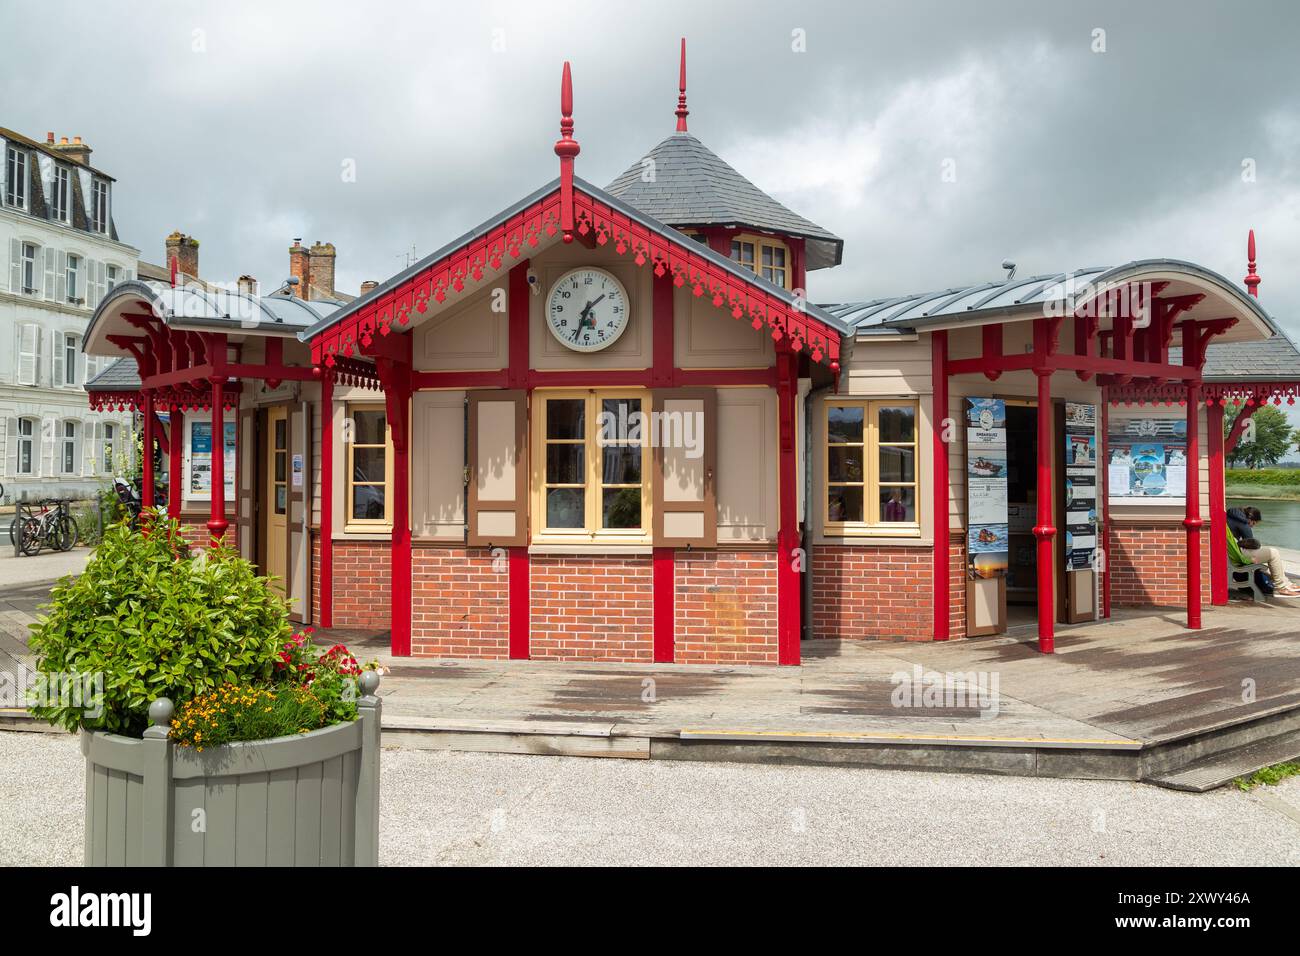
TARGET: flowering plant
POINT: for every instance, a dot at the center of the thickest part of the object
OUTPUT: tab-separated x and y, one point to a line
233	713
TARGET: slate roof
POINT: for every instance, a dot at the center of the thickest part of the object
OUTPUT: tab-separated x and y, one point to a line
946	305
121	376
693	186
1272	360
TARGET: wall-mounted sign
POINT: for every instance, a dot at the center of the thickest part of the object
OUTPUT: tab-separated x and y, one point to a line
1148	460
297	471
986	487
199	485
1080	485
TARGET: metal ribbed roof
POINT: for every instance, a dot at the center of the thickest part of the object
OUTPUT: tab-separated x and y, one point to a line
692	186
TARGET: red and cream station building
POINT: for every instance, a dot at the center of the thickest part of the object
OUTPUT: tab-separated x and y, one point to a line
606	424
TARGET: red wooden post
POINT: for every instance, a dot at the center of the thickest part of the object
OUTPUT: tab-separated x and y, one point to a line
1218	506
1103	459
665	605
519	586
398	396
519	569
1192	521
939	415
176	425
787	576
662	375
146	466
326	570
217	522
1044	530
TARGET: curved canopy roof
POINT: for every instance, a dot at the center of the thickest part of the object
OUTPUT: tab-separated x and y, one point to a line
201	308
1004	298
693	186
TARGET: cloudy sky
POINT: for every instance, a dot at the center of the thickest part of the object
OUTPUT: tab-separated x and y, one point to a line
1082	133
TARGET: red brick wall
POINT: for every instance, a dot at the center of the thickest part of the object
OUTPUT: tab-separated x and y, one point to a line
1148	566
957	585
363	584
194	529
725	607
872	592
598	608
460	602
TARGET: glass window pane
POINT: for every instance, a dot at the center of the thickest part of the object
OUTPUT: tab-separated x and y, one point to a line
281	434
621	465
367	464
565	464
767	255
844	464
897	464
778	256
280	464
897	504
368	502
566	417
897	423
620	419
281	493
844	503
565	508
621	508
844	423
369	427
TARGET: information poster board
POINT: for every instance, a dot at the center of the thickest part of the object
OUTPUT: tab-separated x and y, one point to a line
1080	485
987	548
200	464
1148	460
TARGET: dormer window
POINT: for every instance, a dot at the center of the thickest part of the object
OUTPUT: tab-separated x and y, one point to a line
99	206
59	194
764	257
16	177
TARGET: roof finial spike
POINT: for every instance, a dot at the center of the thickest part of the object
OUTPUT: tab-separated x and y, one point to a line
1252	280
682	111
566	147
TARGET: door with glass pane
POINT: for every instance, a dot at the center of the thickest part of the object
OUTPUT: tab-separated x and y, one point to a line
275	510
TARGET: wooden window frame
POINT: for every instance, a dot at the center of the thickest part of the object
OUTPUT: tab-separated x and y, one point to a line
28	270
368	524
99	204
591	533
29	440
61	195
68	448
16	182
756	265
107	443
871	524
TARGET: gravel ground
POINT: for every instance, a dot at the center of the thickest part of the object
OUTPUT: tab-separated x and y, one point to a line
457	808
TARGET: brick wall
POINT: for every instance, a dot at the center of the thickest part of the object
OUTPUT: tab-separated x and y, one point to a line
598	608
194	529
870	592
725	607
1148	566
957	585
460	603
363	584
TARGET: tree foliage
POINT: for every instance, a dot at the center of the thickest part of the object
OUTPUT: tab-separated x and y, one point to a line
1266	440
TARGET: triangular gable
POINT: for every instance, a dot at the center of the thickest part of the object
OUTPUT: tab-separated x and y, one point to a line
522	227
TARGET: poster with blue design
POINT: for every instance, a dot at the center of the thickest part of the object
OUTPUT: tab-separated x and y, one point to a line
1080	485
987	542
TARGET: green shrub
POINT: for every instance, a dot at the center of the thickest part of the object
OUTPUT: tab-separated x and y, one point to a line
1262	476
155	621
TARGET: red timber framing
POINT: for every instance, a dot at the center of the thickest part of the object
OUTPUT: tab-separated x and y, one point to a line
939	425
1129	362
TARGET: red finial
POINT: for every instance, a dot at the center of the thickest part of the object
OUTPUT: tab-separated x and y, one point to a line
566	147
682	112
175	269
1252	280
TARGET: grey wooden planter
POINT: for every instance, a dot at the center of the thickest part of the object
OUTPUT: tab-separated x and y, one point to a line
309	800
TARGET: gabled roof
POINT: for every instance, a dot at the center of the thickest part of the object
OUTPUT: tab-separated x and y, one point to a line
524	224
977	302
693	186
1272	360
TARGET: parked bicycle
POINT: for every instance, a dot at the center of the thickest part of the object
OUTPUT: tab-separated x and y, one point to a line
53	526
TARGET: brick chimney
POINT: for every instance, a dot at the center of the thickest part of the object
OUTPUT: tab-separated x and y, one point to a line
321	271
186	251
76	151
300	267
368	285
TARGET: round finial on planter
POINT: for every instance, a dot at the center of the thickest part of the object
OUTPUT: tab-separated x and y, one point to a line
369	683
160	712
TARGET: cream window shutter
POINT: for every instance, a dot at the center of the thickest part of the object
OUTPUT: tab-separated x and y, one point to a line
682	430
497	500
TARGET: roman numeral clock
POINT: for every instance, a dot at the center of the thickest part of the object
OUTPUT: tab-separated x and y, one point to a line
587	309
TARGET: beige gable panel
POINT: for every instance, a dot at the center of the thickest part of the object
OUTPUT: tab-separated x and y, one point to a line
887	368
470	336
438	457
705	336
634	347
747	470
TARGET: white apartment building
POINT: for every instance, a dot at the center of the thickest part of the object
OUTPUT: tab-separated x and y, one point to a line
59	255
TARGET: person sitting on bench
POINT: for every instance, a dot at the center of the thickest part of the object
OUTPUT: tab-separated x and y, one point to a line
1241	522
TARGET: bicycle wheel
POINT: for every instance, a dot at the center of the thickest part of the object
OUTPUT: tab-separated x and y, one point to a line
30	537
63	534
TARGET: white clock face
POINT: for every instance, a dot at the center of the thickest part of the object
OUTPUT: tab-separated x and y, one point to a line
587	309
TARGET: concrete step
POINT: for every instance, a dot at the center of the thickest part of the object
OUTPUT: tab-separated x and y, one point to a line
1224	767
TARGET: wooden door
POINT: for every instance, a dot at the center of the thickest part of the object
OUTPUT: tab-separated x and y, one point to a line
276	497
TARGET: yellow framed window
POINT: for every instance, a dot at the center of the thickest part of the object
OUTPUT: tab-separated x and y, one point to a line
870	466
591	466
369	467
765	257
